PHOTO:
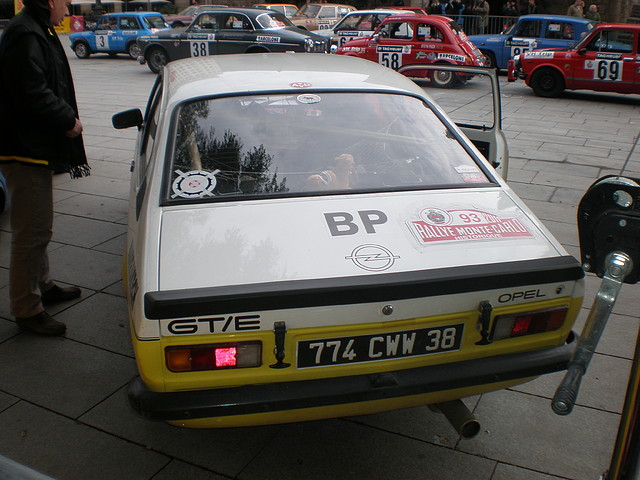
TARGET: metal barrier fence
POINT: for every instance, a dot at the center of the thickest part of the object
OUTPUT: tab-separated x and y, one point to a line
476	25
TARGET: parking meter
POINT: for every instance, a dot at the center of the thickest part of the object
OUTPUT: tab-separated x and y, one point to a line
609	232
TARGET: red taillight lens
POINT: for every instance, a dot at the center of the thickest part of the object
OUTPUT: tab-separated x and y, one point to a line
527	323
192	358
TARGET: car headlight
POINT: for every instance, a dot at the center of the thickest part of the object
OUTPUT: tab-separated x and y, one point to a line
308	45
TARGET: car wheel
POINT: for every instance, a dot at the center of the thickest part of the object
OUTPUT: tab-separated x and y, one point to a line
547	82
133	50
490	61
443	79
81	50
156	59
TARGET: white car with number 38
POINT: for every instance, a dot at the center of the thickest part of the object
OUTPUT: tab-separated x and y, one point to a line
311	236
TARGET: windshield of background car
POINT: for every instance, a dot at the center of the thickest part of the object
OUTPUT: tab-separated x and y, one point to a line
527	28
306	143
611	41
309	10
155	22
273	20
361	21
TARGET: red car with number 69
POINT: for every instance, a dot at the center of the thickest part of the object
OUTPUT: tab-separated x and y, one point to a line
607	60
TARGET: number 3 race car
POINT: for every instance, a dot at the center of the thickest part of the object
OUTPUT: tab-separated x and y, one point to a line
325	241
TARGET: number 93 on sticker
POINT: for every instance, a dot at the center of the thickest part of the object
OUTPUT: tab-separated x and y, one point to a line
375	347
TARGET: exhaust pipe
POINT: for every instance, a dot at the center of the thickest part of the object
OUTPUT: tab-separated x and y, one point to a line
460	418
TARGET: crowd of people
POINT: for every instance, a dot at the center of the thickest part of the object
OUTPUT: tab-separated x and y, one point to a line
474	14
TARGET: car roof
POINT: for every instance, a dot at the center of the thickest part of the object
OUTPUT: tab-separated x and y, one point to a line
268	72
626	26
418	17
330	4
134	14
556	17
245	10
378	10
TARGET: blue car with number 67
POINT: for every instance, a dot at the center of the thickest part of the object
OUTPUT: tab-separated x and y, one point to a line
117	33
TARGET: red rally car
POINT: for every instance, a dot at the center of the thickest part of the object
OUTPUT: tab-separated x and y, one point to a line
413	39
606	60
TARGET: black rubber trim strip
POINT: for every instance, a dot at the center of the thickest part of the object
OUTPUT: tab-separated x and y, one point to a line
359	289
284	396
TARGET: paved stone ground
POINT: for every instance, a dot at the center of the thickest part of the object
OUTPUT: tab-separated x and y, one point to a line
62	403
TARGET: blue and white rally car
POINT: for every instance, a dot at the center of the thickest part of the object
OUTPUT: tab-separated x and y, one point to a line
531	32
311	236
117	33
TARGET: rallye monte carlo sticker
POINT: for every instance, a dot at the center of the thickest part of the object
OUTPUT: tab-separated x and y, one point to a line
438	225
194	184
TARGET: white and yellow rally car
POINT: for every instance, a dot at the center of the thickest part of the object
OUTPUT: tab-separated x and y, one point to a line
311	236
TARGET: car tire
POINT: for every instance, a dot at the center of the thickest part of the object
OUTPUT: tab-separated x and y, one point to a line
491	59
81	50
547	82
156	59
443	79
134	50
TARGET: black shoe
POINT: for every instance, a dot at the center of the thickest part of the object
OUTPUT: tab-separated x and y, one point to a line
43	324
58	294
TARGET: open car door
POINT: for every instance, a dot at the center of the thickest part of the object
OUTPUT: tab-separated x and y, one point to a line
472	102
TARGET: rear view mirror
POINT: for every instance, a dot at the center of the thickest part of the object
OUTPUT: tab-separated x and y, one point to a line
128	118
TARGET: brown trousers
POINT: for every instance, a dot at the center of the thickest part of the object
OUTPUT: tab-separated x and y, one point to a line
31	193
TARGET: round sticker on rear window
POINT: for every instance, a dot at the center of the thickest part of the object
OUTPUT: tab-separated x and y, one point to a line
194	184
308	98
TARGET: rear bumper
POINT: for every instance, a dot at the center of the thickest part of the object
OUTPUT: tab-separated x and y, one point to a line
284	396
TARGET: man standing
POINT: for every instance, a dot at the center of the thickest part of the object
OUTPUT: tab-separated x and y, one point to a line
593	14
39	133
576	10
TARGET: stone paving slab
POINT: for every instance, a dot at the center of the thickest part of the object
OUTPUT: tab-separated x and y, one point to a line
63	407
63	448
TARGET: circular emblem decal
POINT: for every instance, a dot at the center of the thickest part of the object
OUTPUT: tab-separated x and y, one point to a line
373	258
308	98
300	85
194	184
435	216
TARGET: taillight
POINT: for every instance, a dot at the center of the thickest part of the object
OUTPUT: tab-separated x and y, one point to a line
527	323
193	358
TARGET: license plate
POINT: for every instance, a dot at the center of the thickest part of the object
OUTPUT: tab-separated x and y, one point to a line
380	346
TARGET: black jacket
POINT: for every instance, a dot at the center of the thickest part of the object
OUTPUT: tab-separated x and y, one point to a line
37	98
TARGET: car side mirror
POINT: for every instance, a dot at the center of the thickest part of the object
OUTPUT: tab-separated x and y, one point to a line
128	118
582	51
375	38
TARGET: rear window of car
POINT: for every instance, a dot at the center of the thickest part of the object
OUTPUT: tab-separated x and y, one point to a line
155	22
308	143
273	20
